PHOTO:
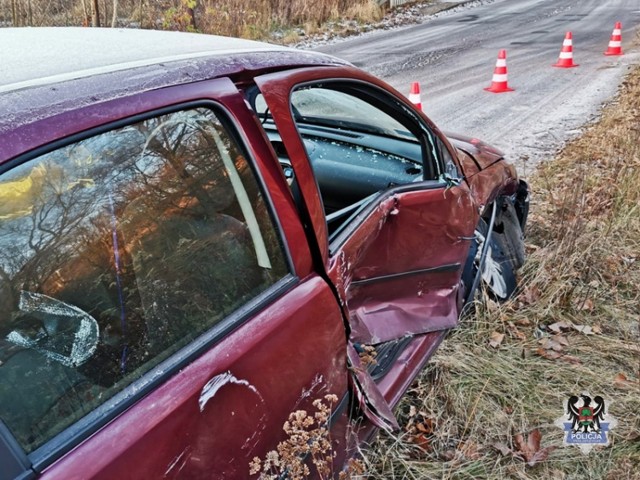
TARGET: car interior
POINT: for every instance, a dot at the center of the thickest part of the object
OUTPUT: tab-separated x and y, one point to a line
356	147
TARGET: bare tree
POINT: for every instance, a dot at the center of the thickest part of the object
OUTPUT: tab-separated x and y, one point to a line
95	13
85	10
114	18
14	12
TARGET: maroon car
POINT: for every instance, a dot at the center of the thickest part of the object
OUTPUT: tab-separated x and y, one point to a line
200	236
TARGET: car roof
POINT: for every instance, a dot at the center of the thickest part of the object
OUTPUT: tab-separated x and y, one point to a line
48	71
46	55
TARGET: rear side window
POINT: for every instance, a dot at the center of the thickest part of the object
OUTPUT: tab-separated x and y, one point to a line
115	252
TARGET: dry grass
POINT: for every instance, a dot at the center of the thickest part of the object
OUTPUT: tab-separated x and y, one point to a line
255	19
584	268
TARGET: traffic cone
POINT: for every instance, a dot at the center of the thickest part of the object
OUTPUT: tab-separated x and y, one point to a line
499	80
414	95
615	44
565	60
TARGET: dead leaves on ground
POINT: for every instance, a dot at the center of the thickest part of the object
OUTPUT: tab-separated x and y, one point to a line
529	296
554	341
559	327
552	348
496	339
420	428
528	450
621	382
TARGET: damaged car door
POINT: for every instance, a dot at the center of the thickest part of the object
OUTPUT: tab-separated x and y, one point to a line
392	219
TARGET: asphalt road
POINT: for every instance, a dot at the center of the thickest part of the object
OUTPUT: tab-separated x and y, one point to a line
453	57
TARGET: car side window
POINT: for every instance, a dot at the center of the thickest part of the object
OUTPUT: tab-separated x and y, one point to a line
115	252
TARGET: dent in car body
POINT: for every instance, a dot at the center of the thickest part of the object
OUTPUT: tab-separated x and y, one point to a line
401	272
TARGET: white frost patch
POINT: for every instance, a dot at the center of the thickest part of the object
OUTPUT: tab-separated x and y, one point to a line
216	383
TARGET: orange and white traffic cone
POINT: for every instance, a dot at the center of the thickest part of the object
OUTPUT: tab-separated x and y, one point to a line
615	44
565	60
414	95
499	79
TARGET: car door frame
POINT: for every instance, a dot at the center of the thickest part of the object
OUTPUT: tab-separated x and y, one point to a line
277	89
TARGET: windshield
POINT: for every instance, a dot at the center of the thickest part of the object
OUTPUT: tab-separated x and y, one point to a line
331	108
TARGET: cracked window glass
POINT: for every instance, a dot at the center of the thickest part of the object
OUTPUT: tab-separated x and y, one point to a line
117	251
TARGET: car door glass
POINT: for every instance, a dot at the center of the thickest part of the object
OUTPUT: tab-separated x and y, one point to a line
115	252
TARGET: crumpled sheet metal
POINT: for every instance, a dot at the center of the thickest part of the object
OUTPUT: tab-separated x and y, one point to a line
377	321
371	401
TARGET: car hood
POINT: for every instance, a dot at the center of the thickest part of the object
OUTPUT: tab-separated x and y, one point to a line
483	154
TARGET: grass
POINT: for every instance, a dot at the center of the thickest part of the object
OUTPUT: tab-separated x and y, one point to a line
255	19
583	268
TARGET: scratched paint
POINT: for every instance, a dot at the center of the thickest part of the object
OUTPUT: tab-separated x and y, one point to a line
181	459
219	381
251	443
306	392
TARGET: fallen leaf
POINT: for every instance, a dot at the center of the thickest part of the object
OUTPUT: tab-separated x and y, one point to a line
523	322
425	426
554	327
596	329
550	344
587	305
571	359
586	329
561	339
558	327
622	382
422	442
502	448
541	455
508	410
582	305
496	339
548	354
531	445
530	295
515	333
530	450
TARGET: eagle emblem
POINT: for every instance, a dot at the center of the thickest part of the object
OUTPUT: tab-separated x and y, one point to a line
586	422
586	417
